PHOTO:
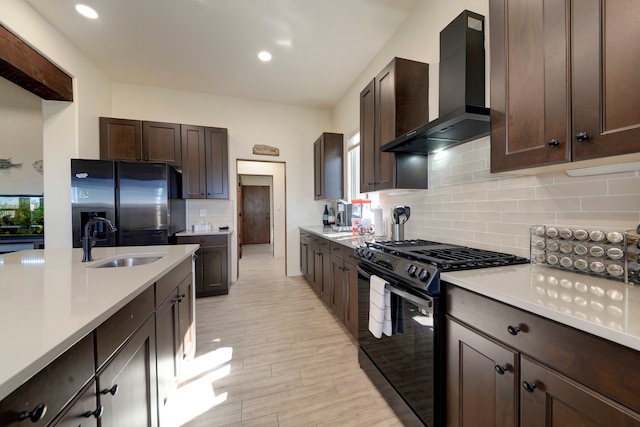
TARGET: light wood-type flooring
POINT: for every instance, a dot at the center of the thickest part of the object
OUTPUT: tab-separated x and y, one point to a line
271	354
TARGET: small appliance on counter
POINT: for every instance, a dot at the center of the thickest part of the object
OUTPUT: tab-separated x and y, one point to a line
343	216
400	215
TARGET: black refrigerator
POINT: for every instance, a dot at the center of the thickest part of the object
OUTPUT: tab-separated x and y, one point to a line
143	200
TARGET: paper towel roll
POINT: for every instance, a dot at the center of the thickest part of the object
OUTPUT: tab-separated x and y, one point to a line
378	222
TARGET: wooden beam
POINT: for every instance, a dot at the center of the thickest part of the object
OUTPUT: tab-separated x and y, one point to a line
24	66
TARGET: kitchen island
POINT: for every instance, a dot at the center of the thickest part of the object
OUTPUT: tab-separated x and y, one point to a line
51	300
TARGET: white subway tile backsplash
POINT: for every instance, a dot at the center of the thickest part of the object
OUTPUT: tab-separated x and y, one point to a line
466	204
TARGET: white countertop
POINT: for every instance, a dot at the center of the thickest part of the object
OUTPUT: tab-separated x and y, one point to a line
50	300
605	308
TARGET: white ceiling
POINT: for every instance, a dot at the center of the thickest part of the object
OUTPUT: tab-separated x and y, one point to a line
319	47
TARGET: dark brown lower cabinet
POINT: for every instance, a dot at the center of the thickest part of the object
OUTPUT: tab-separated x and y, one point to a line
84	412
508	367
552	399
482	379
333	276
212	263
127	388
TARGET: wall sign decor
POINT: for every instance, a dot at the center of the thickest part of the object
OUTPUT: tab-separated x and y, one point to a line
266	150
6	165
37	165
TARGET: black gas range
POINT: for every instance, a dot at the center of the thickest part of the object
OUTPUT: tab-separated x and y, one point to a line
418	262
411	358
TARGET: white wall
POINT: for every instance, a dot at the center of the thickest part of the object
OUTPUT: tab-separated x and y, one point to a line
465	203
292	129
20	139
70	129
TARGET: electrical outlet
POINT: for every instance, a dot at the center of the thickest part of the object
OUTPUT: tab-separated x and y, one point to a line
203	212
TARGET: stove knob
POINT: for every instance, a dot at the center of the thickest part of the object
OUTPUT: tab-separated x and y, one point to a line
423	275
411	269
368	255
360	252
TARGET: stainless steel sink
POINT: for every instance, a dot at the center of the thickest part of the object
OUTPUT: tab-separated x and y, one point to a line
126	261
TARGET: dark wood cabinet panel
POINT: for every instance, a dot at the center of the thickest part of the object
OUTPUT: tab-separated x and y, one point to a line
211	265
186	325
217	160
482	379
135	140
52	388
567	385
368	153
393	103
563	86
530	97
606	88
83	412
112	333
205	169
551	399
120	139
166	350
161	142
324	279
304	248
130	376
350	274
338	294
328	166
194	174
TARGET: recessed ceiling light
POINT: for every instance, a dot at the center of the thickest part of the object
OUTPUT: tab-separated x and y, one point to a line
86	11
264	56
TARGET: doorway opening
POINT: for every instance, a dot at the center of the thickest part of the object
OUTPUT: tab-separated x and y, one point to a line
261	199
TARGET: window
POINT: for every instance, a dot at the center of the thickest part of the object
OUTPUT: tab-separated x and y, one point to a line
353	166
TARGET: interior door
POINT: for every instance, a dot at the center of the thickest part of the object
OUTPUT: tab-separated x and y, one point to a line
256	214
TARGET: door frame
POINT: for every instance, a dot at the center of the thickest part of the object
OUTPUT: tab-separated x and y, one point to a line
279	213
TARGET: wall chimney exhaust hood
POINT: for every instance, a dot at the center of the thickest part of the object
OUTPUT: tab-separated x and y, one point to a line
463	116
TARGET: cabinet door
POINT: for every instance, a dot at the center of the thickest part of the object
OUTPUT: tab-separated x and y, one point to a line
127	384
367	138
194	175
161	142
530	98
325	279
311	264
318	182
338	296
217	160
606	88
481	379
84	412
167	349
120	139
550	399
214	270
186	326
350	280
304	247
385	126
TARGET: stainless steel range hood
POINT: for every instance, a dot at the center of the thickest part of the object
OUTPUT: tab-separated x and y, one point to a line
463	116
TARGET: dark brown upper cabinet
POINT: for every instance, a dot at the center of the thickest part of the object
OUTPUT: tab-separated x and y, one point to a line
205	162
564	83
134	140
395	102
328	166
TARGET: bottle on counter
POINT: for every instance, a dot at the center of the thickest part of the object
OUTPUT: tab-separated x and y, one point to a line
332	216
325	215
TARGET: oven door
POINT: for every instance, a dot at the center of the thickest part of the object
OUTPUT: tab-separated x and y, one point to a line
411	359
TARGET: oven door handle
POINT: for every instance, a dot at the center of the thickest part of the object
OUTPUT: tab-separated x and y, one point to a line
424	303
420	302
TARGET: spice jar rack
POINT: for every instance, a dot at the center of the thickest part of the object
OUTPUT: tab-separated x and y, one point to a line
608	254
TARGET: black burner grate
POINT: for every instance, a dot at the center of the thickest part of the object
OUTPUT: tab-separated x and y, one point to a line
447	257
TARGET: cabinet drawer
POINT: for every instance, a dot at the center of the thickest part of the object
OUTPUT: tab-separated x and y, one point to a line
169	282
336	249
115	331
54	386
602	365
203	239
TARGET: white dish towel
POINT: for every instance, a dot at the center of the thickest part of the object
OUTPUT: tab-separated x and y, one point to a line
379	307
